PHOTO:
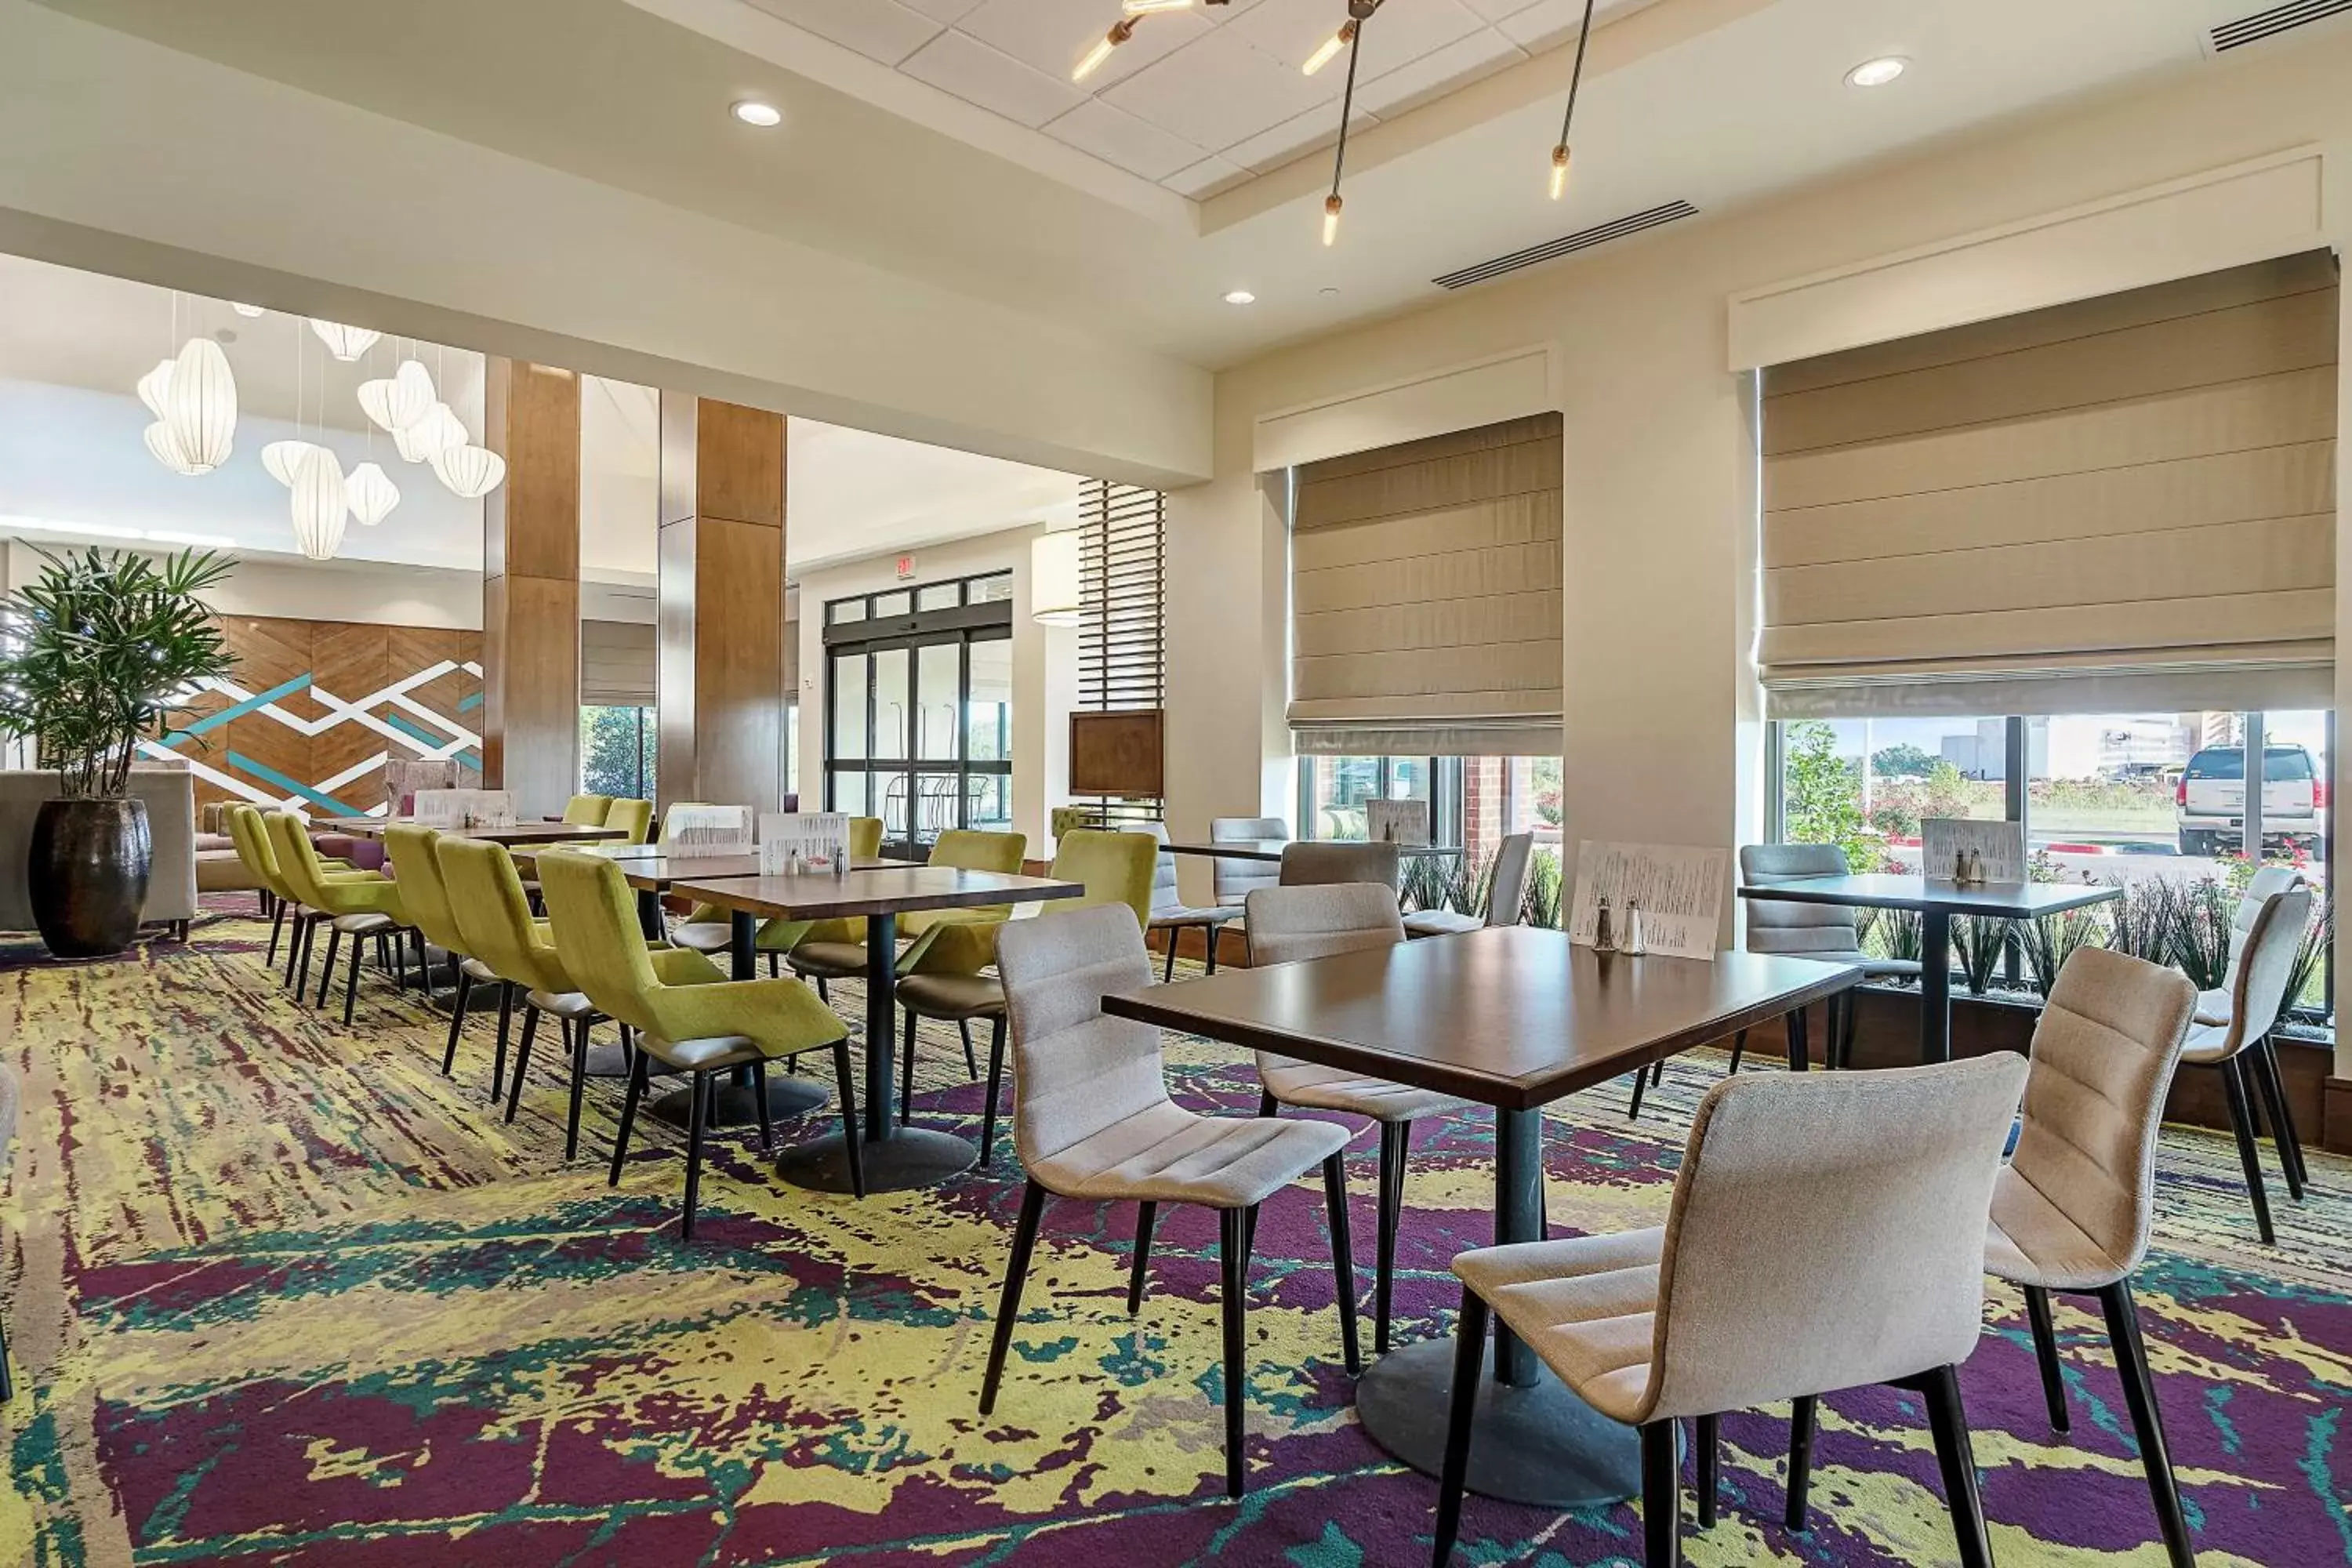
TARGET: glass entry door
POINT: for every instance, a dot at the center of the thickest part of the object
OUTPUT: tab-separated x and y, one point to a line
920	731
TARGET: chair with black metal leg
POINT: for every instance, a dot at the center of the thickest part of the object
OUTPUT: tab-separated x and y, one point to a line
2236	1049
425	894
1092	1121
2213	1011
1745	1299
355	907
1173	917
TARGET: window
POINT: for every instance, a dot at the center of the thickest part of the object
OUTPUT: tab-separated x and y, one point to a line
1333	792
616	751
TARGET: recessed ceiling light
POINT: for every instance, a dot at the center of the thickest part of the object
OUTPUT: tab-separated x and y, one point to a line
1329	293
752	112
247	310
1877	72
1241	297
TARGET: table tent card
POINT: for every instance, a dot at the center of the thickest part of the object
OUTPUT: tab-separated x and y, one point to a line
809	842
1999	849
401	781
1678	886
689	831
462	808
1397	822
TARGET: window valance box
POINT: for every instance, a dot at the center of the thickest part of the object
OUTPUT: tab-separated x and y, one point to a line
2126	502
1425	597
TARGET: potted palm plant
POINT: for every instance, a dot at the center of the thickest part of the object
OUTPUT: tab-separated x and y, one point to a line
101	650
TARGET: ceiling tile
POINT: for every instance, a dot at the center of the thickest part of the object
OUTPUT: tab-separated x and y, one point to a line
1316	129
1291	30
1217	90
951	10
882	29
1052	36
1118	137
977	74
1207	178
1436	74
1496	10
1547	23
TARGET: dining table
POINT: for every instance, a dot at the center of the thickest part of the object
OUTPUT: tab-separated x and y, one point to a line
1514	1018
895	1157
512	834
1269	851
1936	902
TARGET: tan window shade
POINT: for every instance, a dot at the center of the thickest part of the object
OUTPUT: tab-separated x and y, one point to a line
2124	503
1425	597
616	665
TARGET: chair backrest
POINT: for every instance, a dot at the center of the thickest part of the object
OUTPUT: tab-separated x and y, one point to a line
1234	880
298	863
594	918
2265	882
1076	1071
251	837
2103	1054
1774	926
587	810
1324	863
1507	893
493	913
424	895
969	849
1115	867
633	817
2258	990
865	838
1827	1232
1290	925
1164	892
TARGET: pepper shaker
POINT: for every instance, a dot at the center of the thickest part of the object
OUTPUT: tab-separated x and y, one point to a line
1604	934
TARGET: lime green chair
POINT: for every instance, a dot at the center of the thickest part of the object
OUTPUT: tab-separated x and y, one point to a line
587	810
701	1030
356	907
777	937
634	818
949	941
425	892
250	836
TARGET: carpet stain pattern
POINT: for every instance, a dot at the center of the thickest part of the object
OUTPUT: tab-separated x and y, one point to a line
279	1292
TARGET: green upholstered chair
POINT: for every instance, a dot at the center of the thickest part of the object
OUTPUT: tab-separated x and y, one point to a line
250	836
700	1029
947	941
356	907
425	893
633	817
777	937
587	810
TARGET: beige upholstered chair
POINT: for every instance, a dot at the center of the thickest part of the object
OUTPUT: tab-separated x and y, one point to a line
1746	1298
1293	925
1323	865
2071	1211
1092	1120
1506	892
2213	1006
2240	1049
1234	880
1172	915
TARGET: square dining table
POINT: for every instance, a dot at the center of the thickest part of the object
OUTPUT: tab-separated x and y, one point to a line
1513	1017
895	1157
537	834
1936	903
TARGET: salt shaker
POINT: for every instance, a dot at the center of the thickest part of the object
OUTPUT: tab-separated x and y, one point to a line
1632	942
1604	934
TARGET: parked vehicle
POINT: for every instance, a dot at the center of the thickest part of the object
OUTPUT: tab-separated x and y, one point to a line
2212	799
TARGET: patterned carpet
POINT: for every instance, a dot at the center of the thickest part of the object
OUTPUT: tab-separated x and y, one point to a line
280	1293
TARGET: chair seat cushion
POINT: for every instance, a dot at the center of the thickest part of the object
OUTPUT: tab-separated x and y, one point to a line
951	996
1441	922
2213	1008
1293	1082
1194	915
560	1004
704	936
363	923
1168	1154
2030	1241
1587	1305
481	974
829	960
2207	1044
711	1051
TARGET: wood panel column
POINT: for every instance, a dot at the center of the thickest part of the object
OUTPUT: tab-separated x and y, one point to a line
530	587
722	669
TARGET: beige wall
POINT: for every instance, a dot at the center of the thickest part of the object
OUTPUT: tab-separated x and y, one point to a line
1662	736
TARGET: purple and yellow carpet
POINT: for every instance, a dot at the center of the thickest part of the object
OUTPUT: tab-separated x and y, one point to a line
280	1293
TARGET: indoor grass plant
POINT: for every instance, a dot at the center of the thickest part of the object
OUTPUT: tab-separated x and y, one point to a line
104	647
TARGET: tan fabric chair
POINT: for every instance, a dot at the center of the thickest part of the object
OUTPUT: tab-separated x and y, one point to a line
1172	915
2213	1006
1506	892
2241	1052
1826	1232
1294	925
1327	864
2072	1209
1236	881
1092	1120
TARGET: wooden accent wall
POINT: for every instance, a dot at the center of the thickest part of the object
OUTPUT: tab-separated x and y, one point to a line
369	692
531	586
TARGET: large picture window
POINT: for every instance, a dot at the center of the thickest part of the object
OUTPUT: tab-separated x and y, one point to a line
616	751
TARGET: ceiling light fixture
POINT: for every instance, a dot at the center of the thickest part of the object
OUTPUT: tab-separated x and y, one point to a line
399	400
248	309
319	504
752	112
1326	51
369	495
1877	72
1146	7
346	343
1241	297
201	406
436	431
1568	117
155	388
1056	597
1358	12
471	471
284	460
1121	31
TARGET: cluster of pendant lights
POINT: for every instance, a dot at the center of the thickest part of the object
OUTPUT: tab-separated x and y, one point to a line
193	397
1347	36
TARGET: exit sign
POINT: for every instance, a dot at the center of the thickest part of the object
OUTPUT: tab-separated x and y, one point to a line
906	567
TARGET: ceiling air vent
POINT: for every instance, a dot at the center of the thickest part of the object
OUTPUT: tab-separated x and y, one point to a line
1582	239
2270	24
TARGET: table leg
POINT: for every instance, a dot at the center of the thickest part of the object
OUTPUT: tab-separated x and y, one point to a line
1935	986
1532	1441
1793	1021
736	1103
896	1158
649	915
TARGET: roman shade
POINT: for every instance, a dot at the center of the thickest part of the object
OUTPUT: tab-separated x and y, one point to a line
616	664
1425	597
2127	503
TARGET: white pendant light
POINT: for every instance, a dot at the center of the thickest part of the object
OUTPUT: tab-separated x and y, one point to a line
1054	579
201	407
471	471
369	494
165	448
318	504
401	400
436	431
248	310
155	389
284	460
346	343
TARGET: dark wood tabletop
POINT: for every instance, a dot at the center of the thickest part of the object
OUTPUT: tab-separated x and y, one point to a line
1512	1015
2006	900
1271	848
514	833
647	869
893	889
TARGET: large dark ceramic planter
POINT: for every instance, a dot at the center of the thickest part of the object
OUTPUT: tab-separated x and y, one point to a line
87	874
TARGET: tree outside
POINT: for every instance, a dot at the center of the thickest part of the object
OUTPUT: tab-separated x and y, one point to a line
616	751
1822	796
1905	760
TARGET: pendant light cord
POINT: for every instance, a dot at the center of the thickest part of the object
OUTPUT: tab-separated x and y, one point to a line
1348	100
1576	72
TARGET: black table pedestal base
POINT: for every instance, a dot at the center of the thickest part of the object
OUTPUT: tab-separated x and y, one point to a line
911	1157
732	1105
607	1061
1539	1445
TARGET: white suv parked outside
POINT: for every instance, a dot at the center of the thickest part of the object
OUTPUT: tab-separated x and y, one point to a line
2212	800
